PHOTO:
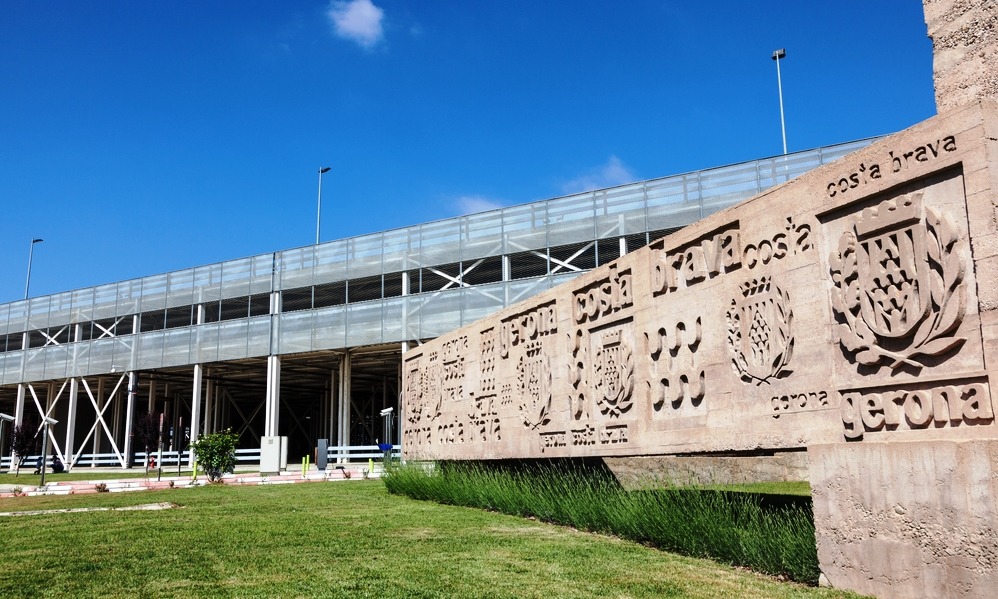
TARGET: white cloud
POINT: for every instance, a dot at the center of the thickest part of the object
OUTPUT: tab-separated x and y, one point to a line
613	172
473	204
357	20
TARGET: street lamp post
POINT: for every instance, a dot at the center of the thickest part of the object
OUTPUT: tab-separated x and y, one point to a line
318	214
777	55
31	253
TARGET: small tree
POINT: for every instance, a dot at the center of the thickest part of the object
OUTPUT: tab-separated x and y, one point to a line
23	440
216	454
147	433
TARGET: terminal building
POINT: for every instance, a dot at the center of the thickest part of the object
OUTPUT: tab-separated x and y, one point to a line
306	343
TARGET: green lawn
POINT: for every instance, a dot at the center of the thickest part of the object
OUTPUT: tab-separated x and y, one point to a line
334	539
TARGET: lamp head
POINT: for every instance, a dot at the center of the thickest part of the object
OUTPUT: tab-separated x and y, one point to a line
781	53
325	169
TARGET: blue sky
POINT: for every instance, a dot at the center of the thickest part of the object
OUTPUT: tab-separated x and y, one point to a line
144	137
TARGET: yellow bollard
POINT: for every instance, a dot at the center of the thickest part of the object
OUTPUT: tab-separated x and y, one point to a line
194	470
370	466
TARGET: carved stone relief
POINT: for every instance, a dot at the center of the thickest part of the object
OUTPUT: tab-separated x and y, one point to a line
760	331
677	378
898	295
893	409
522	350
484	417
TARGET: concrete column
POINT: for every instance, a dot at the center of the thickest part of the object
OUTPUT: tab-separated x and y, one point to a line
398	407
273	400
19	405
331	407
195	411
130	395
74	391
209	404
216	418
118	416
99	430
343	433
151	404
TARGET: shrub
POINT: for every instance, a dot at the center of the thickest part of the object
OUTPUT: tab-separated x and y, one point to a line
216	454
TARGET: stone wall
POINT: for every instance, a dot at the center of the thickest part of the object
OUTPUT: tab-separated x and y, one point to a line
843	306
652	472
851	312
965	49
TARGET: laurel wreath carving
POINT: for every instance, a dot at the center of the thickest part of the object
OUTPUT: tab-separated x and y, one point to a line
622	398
934	335
535	409
782	329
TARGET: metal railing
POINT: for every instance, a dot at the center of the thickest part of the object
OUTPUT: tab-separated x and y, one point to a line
166	459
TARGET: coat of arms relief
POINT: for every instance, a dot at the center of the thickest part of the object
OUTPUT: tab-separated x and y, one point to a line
898	296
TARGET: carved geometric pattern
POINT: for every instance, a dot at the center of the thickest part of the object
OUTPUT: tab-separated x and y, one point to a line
676	376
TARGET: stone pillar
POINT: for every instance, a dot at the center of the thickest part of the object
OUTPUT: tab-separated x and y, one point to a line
964	51
907	519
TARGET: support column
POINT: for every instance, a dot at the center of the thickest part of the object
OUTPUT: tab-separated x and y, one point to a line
151	404
98	430
331	407
74	391
195	411
209	403
118	416
343	433
133	391
19	405
273	400
400	398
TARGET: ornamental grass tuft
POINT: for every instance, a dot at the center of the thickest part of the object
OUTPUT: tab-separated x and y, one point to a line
731	527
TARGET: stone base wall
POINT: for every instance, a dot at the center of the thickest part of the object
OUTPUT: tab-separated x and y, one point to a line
912	519
657	471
